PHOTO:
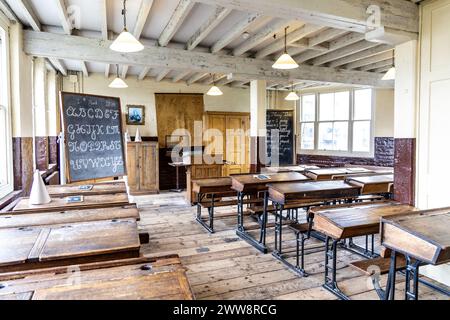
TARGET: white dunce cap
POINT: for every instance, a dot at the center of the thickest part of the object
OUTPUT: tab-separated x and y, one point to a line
39	193
137	137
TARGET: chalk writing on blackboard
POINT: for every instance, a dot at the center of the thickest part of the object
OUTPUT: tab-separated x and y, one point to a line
93	136
280	137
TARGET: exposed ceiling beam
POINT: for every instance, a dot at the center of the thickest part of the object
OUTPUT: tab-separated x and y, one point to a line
196	77
382	70
379	64
58	65
143	73
144	11
84	69
349	15
29	14
213	21
60	46
162	75
343	52
293	36
265	33
104	29
4	6
63	16
234	32
181	75
365	57
175	22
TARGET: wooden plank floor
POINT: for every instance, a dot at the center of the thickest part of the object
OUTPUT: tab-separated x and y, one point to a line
222	266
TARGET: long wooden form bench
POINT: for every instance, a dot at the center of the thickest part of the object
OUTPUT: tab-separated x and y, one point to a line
159	278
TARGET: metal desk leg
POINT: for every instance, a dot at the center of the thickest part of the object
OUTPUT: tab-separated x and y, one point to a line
389	293
209	227
240	209
263	232
330	269
278	229
412	279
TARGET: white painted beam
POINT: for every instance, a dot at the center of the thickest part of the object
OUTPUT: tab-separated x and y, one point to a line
6	9
143	73
181	75
343	52
175	22
58	66
235	32
60	46
265	33
380	64
349	15
293	36
29	14
213	21
142	17
362	58
196	77
63	16
162	75
84	69
104	28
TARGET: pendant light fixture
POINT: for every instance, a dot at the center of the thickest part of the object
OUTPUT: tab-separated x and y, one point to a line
292	96
126	42
214	91
285	61
118	83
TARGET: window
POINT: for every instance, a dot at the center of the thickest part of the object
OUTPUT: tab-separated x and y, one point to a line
337	122
6	176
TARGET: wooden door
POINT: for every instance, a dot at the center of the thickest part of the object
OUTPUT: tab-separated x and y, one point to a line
133	166
148	170
237	144
215	129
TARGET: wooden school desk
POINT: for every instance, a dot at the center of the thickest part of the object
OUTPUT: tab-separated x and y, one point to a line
47	246
424	238
60	204
108	187
381	184
304	195
329	173
348	221
297	168
250	184
11	220
159	278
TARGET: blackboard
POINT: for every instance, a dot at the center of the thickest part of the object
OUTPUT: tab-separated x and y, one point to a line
93	136
283	121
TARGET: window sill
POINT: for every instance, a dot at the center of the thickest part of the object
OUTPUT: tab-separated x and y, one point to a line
337	154
9	199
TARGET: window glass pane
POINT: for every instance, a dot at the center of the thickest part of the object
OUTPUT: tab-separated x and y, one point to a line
326	106
363	104
361	136
3	158
334	106
342	105
308	112
307	136
333	136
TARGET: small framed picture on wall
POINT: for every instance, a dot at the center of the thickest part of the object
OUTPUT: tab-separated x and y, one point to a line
135	115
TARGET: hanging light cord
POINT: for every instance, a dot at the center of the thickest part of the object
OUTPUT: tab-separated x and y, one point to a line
124	13
117	70
285	39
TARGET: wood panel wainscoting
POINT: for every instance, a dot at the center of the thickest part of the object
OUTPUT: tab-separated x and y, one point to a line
231	146
200	171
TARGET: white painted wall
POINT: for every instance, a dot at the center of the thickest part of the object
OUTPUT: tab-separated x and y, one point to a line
384	113
143	93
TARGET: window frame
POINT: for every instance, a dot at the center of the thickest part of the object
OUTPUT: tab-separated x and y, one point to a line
6	103
349	152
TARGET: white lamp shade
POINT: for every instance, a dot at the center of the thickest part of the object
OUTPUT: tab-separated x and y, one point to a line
292	96
118	83
214	91
127	43
390	75
39	193
285	62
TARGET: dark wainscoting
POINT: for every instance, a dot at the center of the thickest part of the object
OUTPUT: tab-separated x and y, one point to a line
167	173
384	156
258	150
23	163
405	172
42	153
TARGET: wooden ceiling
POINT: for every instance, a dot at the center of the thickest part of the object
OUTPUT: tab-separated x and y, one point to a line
229	35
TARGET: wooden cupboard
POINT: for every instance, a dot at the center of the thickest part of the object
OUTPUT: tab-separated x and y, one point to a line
142	167
235	146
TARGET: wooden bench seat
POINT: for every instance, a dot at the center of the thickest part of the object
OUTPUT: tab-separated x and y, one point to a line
227	203
299	227
381	265
272	208
370	197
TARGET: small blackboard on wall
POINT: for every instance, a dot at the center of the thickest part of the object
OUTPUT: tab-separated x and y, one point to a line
283	121
93	136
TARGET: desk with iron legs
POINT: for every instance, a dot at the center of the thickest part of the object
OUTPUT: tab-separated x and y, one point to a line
424	238
346	221
380	184
253	186
304	195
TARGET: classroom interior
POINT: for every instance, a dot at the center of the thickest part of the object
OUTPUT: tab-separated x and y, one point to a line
224	150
